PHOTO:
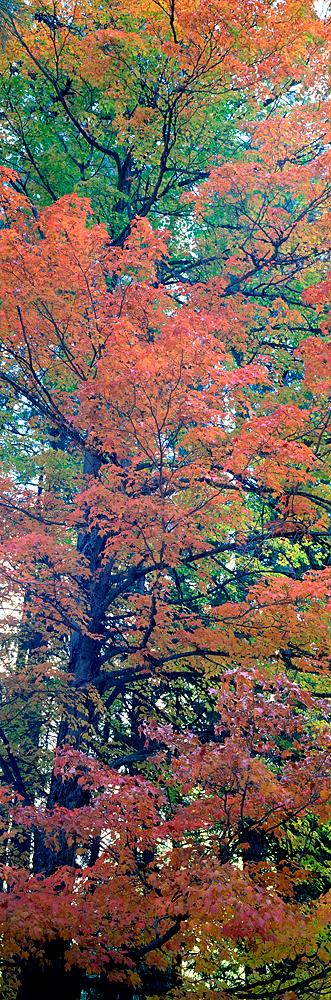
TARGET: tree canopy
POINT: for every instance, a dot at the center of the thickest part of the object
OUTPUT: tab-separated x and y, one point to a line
165	499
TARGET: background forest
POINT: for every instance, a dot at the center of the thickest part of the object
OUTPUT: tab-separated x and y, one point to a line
165	500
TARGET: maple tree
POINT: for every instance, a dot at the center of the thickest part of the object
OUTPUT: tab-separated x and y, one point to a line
129	106
165	536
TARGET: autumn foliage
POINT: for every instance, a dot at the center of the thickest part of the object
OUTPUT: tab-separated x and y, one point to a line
165	560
